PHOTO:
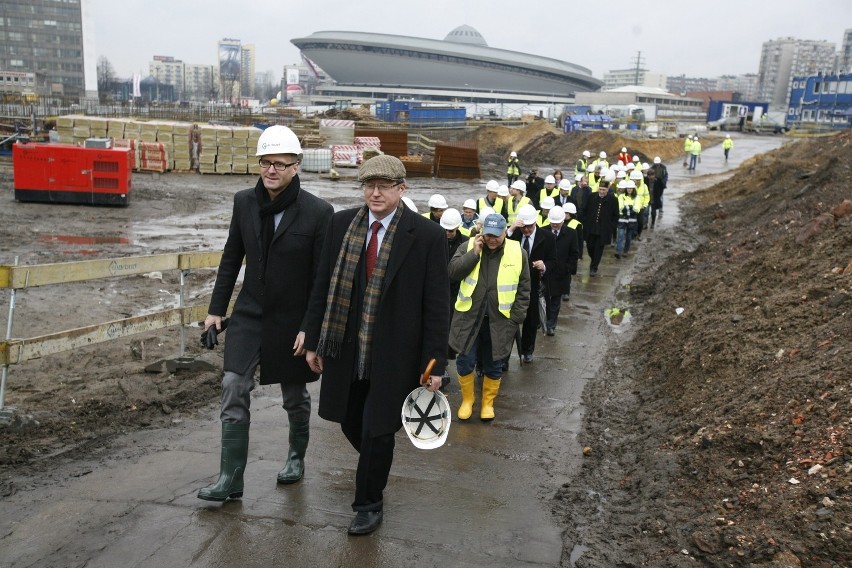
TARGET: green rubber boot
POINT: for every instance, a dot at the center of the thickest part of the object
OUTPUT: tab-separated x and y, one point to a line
294	469
232	464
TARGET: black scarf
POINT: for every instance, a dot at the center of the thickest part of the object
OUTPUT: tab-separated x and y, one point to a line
270	207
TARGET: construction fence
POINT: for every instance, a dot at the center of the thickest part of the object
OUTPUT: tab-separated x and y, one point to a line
14	351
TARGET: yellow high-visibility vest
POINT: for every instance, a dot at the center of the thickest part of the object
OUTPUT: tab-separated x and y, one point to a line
508	275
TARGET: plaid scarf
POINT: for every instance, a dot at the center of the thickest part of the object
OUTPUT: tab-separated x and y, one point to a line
340	290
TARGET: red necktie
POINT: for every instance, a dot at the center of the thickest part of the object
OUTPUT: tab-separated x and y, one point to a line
373	249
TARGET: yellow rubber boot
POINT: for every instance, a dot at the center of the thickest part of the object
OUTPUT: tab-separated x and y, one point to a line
466	407
490	388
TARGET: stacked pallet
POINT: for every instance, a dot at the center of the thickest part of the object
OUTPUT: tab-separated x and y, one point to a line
456	161
394	142
65	129
129	143
227	149
208	147
153	157
415	166
344	155
337	132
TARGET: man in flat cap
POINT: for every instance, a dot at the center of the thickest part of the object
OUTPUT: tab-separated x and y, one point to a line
378	313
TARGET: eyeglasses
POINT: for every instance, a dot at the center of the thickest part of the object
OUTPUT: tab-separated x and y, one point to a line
279	166
380	186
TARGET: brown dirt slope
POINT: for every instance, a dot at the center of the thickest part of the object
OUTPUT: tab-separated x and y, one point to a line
540	143
728	440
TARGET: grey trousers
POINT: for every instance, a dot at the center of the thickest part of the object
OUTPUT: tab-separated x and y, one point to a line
236	397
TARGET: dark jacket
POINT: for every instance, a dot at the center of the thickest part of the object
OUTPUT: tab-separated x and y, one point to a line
558	280
601	215
543	248
412	323
270	307
466	325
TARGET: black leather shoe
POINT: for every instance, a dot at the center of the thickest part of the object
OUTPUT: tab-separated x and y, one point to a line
365	522
528	358
551	332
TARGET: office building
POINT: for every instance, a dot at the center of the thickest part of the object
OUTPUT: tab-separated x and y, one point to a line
782	59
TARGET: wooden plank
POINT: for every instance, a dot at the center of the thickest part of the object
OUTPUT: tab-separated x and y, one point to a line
63	272
16	351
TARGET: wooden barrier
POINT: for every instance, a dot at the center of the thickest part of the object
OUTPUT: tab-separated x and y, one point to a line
15	277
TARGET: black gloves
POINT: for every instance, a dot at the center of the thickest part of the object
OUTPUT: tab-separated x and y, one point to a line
208	337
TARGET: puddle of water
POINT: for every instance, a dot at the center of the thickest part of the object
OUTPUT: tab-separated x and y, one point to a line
84	240
617	317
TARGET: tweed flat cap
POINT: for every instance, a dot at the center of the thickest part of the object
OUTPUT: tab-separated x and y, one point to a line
382	167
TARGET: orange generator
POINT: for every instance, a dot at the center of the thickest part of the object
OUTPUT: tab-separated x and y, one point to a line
64	173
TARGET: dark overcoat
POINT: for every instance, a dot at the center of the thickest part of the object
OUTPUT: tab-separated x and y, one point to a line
411	326
270	308
558	278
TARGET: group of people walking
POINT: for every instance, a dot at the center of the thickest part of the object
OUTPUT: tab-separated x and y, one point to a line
366	297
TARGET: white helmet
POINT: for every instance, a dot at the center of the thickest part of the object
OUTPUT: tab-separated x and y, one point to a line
547	203
630	184
621	175
565	184
657	160
570	208
513	154
486	211
622	184
503	191
587	154
549	179
451	219
727	135
578	177
278	139
636	174
492	185
602	155
556	215
618	166
527	214
645	166
437	201
469	204
520	185
624	150
409	203
636	158
426	418
610	176
590	168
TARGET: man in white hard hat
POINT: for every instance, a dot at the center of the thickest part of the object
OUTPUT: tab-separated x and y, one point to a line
277	228
491	304
623	157
582	163
469	215
687	150
601	161
694	154
566	252
513	168
727	144
566	190
491	199
538	245
504	195
382	277
437	206
517	199
550	189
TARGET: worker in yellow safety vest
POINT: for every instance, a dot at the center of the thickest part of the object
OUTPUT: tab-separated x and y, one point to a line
513	169
687	150
491	200
694	153
727	144
582	164
644	198
550	189
492	302
517	199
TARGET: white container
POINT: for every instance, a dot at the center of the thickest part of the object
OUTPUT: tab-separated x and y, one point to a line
316	159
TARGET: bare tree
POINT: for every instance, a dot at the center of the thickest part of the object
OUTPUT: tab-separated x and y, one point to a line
106	76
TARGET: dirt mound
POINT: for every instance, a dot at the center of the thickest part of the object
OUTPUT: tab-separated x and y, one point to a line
540	144
738	451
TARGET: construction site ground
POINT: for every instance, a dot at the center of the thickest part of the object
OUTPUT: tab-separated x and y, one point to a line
707	427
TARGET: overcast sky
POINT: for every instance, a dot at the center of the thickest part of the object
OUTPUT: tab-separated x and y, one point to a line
694	38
